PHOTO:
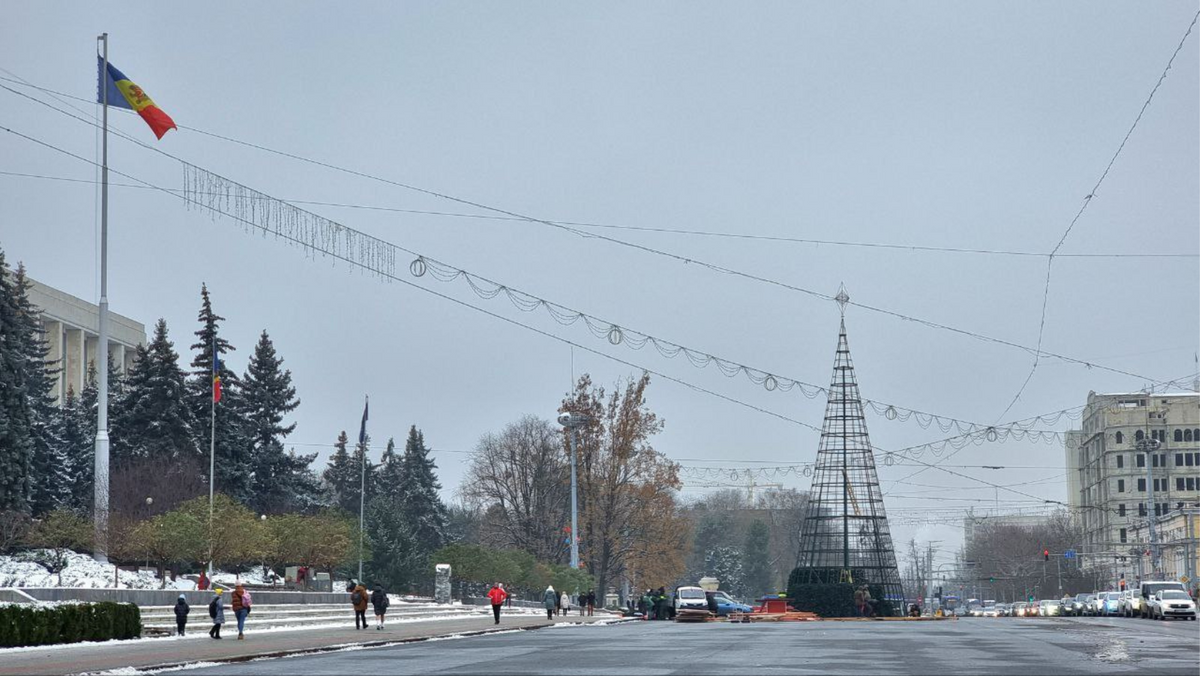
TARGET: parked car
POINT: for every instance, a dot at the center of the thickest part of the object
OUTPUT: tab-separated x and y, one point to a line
1169	603
726	604
1151	587
1110	603
1131	602
1050	608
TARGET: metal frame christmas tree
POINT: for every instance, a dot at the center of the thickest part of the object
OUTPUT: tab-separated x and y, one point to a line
845	535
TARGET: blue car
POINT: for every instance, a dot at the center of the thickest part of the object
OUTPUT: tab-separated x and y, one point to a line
726	605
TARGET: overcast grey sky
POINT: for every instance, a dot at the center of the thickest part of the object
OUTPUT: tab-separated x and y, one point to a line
974	125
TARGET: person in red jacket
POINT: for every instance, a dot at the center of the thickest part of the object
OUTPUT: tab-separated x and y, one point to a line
497	595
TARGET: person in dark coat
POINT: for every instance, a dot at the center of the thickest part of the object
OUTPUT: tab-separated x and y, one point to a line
591	601
380	602
181	612
550	601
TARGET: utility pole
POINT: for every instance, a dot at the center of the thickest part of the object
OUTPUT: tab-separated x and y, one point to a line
572	422
1148	447
100	468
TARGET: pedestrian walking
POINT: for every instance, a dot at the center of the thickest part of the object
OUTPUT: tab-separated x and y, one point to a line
359	599
507	596
380	602
498	596
181	612
240	602
550	601
859	602
660	599
564	604
216	610
591	601
202	584
647	605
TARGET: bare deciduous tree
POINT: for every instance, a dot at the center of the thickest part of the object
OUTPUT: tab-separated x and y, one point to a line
520	479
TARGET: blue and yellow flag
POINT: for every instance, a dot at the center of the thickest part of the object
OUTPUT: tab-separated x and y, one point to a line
124	94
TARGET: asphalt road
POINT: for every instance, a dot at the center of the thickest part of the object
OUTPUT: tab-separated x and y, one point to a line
975	646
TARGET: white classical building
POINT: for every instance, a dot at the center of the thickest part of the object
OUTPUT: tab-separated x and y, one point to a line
72	327
1112	481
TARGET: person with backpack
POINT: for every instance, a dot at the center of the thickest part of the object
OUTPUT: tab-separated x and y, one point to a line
181	612
359	600
241	608
380	602
497	596
216	610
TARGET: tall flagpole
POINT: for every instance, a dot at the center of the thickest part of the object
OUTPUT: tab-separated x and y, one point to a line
212	452
362	486
100	475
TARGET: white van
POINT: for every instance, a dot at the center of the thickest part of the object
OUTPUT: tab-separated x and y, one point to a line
690	598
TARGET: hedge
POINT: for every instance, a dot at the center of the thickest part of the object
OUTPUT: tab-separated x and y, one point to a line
26	625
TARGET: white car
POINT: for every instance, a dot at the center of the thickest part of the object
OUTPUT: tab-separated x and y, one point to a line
1171	603
1131	602
1050	608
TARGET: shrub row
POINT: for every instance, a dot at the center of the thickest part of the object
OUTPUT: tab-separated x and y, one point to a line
22	625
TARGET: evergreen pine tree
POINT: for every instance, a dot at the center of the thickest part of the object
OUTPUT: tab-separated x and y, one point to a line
234	465
419	499
49	480
16	436
282	481
389	475
342	477
756	566
421	507
79	445
154	419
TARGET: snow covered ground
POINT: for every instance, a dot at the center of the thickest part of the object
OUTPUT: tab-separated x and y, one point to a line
82	571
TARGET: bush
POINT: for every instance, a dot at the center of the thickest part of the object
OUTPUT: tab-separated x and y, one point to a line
68	623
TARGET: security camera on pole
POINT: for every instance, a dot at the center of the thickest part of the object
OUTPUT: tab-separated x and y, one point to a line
572	422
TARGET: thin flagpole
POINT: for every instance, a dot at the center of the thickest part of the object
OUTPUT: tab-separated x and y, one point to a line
100	474
362	487
212	455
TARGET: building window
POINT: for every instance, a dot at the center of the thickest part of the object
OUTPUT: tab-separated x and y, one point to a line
1154	460
1120	485
1179	483
1187	435
1178	434
1123	535
1190	459
1138	436
1196	434
1141	460
1120	461
1160	485
1179	460
1191	484
1141	509
1120	438
1121	509
1141	485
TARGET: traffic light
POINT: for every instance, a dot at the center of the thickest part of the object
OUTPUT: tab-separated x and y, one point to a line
1046	554
992	580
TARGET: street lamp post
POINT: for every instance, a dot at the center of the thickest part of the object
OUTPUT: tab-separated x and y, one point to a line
1148	447
572	422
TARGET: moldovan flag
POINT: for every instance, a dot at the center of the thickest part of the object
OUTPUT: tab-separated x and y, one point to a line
124	94
216	379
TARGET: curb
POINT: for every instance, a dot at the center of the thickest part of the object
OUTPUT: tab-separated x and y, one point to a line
366	644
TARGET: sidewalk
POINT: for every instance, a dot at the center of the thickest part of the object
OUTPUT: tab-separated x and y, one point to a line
158	652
